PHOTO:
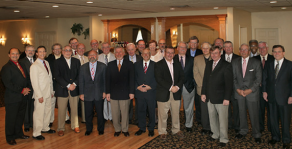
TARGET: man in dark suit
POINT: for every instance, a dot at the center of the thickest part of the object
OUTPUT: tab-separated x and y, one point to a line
92	91
193	51
131	49
16	81
188	91
265	58
120	88
219	42
247	74
216	91
27	61
145	92
233	113
94	46
66	72
277	91
170	78
140	46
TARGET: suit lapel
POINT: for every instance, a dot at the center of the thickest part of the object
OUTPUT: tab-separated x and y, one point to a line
248	67
217	66
240	66
16	68
282	68
41	64
167	69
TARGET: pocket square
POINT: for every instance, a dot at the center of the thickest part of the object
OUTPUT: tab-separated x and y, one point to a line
251	70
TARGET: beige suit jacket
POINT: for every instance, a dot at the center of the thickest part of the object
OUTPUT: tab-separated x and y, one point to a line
199	70
41	81
85	59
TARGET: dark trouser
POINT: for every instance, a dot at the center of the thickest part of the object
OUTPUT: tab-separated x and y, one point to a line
205	115
14	118
142	108
198	107
284	113
233	115
131	108
28	119
262	113
89	114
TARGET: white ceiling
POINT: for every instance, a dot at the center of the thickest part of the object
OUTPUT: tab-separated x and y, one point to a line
37	9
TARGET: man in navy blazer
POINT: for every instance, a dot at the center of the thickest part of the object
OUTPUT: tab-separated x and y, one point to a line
120	88
277	91
92	91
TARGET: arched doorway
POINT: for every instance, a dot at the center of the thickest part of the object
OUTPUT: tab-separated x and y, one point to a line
128	33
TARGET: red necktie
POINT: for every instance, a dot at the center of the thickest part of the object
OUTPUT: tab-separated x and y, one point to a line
21	70
46	67
263	62
145	68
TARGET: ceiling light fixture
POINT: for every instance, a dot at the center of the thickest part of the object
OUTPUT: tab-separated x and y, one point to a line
16	11
55	6
284	8
216	8
172	8
273	2
89	2
47	16
99	15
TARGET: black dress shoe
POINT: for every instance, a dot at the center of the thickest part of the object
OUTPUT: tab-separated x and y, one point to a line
139	132
156	126
239	136
101	132
236	130
26	129
286	145
258	140
221	144
40	137
272	142
203	131
209	132
189	129
11	142
126	134
210	139
24	137
68	122
83	122
49	131
151	133
117	134
51	124
87	133
199	124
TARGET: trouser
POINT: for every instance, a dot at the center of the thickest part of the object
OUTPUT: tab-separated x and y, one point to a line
262	113
120	108
233	114
145	104
198	107
205	116
188	100
41	116
89	114
28	119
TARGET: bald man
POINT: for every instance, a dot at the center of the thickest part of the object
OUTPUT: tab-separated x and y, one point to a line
94	46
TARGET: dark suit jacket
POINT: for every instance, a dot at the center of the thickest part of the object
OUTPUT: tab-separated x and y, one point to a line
142	78
198	52
280	89
138	58
119	84
164	80
26	65
99	52
65	76
51	59
189	81
268	60
234	56
14	82
92	90
217	84
251	80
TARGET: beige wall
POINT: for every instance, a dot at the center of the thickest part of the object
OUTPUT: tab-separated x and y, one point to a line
281	20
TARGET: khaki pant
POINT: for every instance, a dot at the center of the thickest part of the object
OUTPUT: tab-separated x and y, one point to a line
120	108
41	116
62	106
163	108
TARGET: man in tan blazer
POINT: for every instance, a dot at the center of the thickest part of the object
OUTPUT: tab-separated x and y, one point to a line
199	69
42	84
83	59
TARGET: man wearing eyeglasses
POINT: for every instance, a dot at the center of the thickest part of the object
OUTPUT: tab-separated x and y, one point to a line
162	45
140	46
94	46
66	72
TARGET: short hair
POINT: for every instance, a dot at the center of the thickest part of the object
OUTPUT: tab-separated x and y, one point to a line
41	47
210	46
152	41
227	42
253	40
147	49
67	46
29	46
13	48
183	43
56	44
194	38
244	44
220	39
131	44
140	40
117	47
170	47
92	40
264	43
72	39
214	48
93	51
104	44
278	46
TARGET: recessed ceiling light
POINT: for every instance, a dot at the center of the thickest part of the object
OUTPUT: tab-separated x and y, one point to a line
89	2
55	6
16	11
215	7
273	2
47	16
284	8
100	15
172	8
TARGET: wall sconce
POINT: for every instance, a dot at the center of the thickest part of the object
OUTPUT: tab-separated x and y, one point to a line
25	41
115	35
174	33
2	41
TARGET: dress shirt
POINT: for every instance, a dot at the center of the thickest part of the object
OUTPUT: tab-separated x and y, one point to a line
81	57
193	53
134	58
266	57
94	66
184	59
146	64
30	59
170	67
246	60
206	59
69	65
280	63
252	55
230	56
57	57
108	56
216	62
120	62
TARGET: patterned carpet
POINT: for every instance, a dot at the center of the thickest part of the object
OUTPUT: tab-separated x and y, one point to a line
198	141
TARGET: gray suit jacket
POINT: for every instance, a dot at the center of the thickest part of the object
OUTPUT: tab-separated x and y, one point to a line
110	58
252	79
